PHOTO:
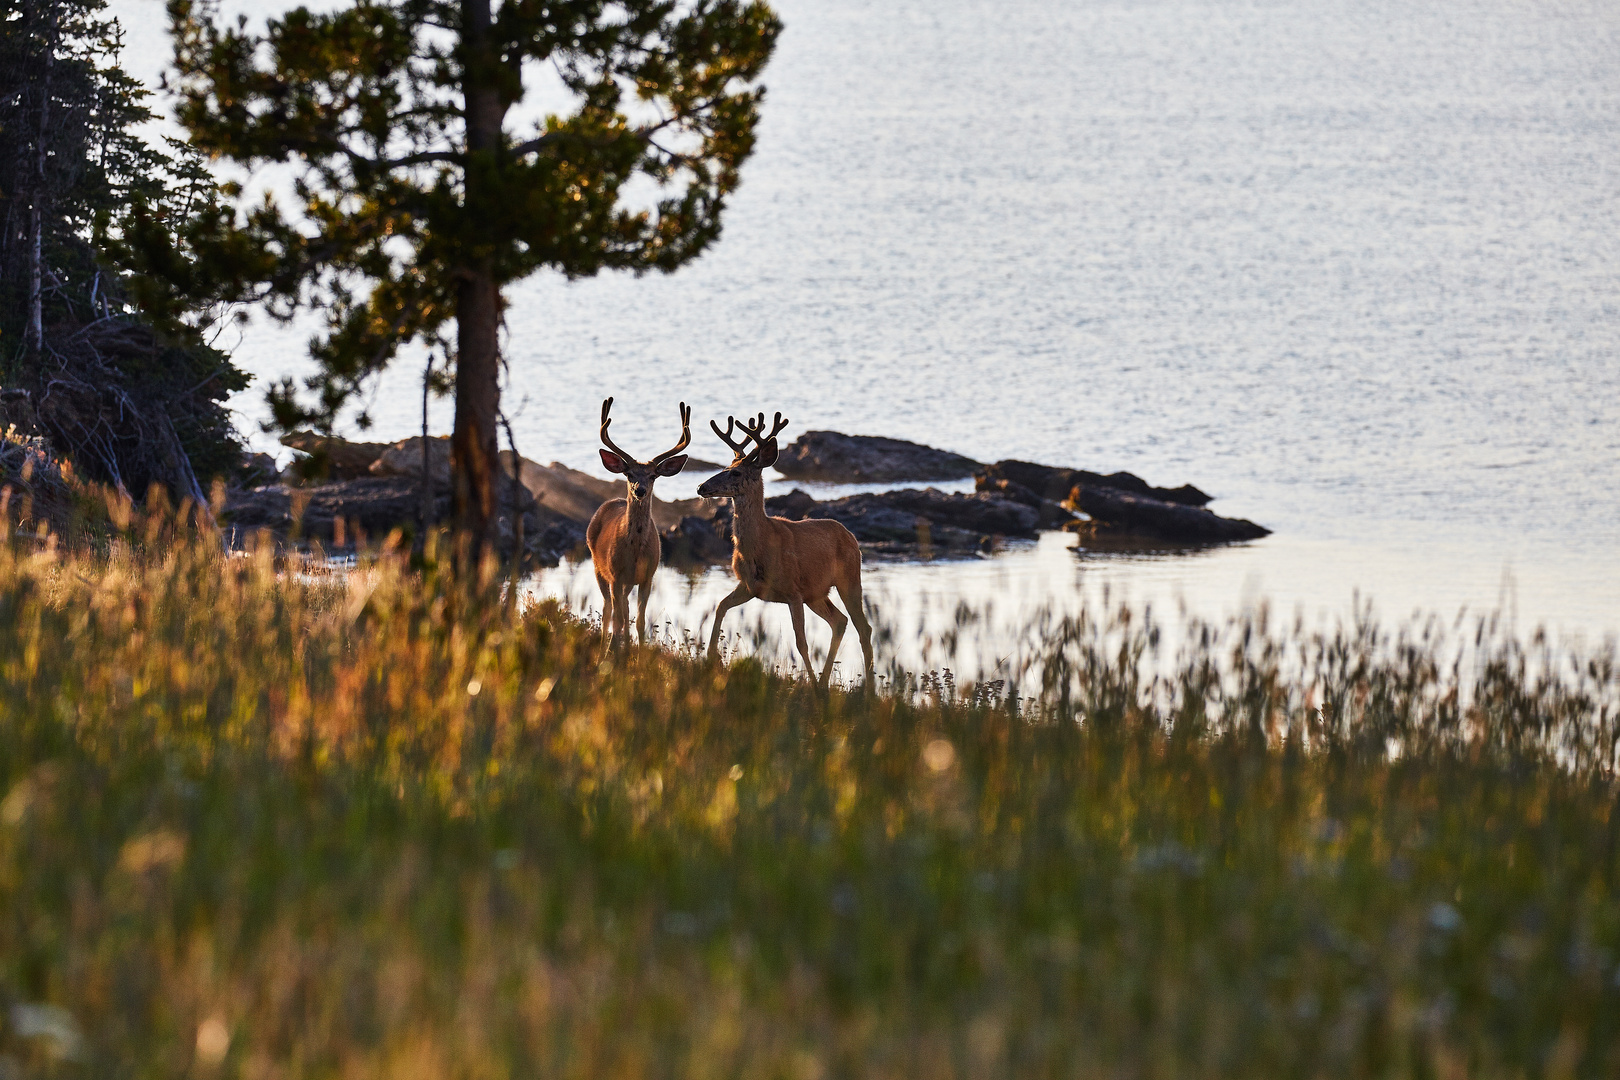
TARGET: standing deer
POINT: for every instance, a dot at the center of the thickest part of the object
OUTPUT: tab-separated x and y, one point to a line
796	563
621	535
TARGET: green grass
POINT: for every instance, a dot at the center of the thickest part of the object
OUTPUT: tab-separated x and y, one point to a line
266	826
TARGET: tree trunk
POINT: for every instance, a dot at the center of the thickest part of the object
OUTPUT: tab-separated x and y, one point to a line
34	335
474	446
425	511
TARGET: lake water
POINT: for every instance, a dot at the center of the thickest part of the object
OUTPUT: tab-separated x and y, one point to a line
1352	267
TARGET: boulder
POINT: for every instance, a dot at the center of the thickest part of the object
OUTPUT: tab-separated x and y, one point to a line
404	458
1053	514
370	507
1051	482
831	456
576	495
332	458
258	469
694	540
374	504
1116	511
793	506
927	515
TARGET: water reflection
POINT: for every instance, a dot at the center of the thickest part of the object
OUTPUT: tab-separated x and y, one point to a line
981	615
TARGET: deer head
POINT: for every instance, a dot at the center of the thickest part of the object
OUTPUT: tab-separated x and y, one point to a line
639	475
746	464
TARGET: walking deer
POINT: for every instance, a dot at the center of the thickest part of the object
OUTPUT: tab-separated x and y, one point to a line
796	563
621	535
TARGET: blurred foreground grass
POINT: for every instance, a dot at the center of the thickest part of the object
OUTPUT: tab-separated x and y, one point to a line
267	825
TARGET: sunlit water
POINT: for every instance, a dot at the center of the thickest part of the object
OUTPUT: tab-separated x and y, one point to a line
1349	266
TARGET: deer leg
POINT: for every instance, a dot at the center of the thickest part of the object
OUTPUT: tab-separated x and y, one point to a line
739	595
621	613
641	611
607	608
796	610
851	596
834	618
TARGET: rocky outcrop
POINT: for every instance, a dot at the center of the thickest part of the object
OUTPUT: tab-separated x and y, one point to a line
576	495
327	457
928	516
404	458
345	513
1052	514
1015	499
793	506
1136	509
908	521
695	541
831	456
1051	482
1116	512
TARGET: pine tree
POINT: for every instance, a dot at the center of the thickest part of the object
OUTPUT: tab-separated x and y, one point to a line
417	200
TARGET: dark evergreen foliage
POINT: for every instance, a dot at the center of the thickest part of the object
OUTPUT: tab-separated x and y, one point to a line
97	348
415	203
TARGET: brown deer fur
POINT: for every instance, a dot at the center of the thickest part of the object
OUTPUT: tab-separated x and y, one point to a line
797	563
622	537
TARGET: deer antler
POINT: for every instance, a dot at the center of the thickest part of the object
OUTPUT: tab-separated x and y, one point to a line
752	430
607	442
739	449
686	437
776	429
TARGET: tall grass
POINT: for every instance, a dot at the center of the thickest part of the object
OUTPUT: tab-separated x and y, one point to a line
261	824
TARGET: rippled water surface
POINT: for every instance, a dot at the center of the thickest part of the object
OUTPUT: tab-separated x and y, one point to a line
1350	266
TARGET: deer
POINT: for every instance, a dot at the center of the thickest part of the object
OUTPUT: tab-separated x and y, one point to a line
622	537
797	563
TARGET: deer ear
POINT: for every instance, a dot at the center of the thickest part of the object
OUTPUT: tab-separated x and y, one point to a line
767	454
611	462
673	465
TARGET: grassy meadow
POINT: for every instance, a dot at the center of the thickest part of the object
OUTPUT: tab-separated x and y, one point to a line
267	824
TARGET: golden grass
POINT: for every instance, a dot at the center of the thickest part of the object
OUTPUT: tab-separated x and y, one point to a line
269	825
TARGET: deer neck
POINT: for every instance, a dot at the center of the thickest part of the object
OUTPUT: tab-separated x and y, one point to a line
638	512
748	519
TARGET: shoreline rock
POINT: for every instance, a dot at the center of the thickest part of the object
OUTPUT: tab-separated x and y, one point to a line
930	517
840	458
341	514
1118	512
1052	482
328	457
1013	499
